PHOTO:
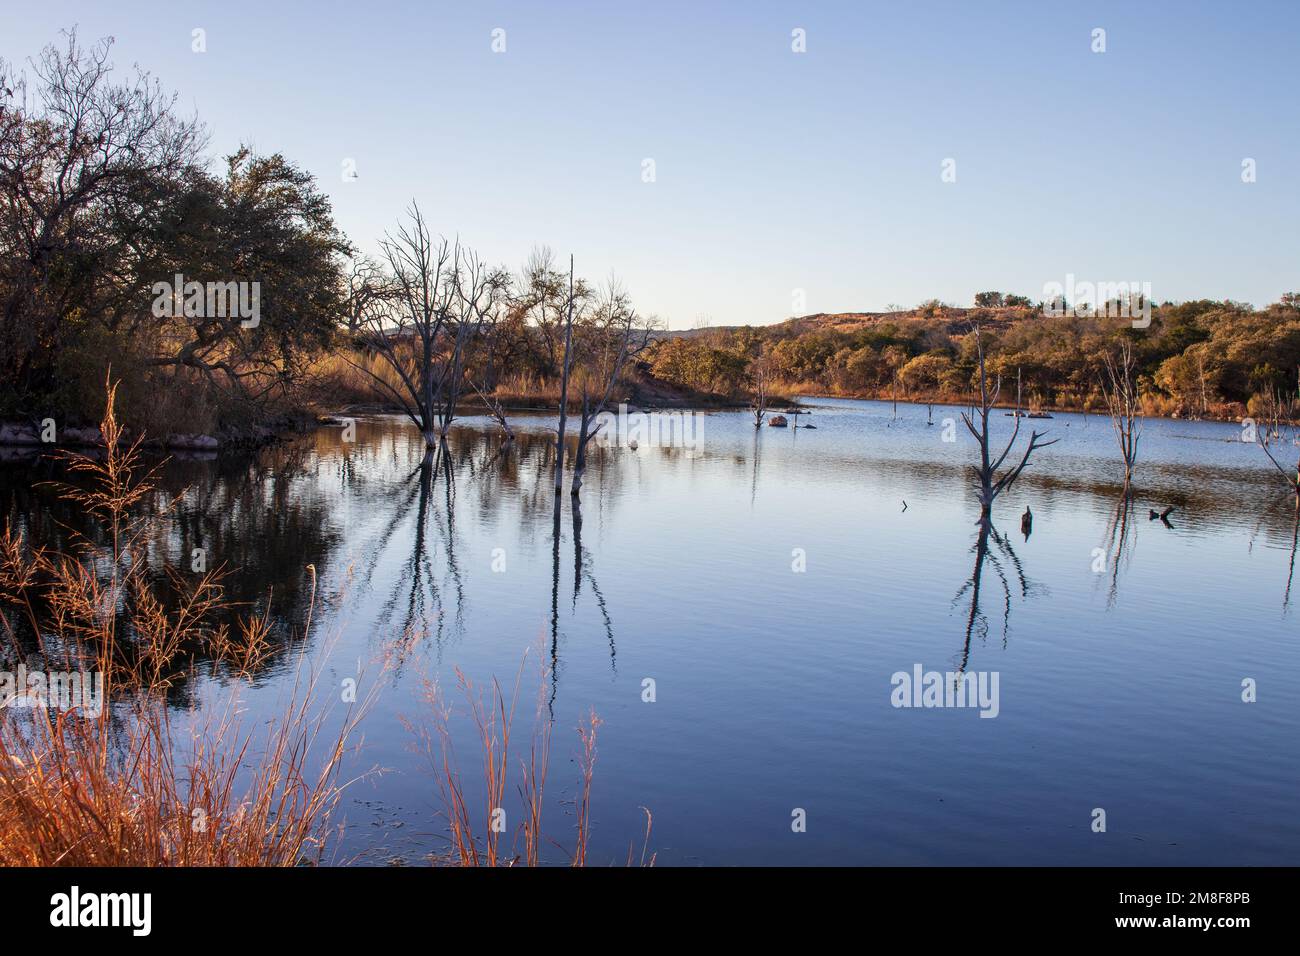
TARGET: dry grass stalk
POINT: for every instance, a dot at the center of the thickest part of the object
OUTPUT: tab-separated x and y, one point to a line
122	787
475	843
587	767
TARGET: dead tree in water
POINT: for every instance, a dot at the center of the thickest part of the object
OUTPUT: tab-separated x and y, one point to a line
564	393
475	289
1292	480
621	340
496	411
435	297
991	484
368	286
494	331
1120	390
405	332
760	372
1278	418
1278	413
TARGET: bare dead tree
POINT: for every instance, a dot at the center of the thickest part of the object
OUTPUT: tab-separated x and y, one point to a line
404	330
1292	480
438	294
621	338
1279	416
760	372
494	333
1119	387
367	285
1278	429
477	289
991	484
564	395
495	410
1205	399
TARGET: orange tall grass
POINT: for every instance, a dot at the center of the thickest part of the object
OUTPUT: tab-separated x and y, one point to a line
480	836
124	786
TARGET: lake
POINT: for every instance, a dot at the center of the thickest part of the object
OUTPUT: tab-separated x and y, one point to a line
770	587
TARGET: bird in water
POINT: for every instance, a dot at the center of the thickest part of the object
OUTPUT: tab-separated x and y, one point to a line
1026	522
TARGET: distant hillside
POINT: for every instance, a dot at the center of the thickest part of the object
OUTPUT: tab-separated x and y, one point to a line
952	318
1205	358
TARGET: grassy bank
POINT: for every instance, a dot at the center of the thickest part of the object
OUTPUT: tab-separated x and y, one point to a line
117	778
344	381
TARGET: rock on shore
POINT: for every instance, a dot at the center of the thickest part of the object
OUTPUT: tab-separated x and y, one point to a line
22	435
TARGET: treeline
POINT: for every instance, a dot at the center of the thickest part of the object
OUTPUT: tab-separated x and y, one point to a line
226	299
107	196
1201	358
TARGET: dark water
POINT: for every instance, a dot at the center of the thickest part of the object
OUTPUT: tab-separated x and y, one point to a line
1119	689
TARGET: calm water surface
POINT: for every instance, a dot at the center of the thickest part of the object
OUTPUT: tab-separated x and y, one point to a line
1119	689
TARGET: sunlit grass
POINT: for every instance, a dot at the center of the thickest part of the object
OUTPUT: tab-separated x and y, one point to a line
125	786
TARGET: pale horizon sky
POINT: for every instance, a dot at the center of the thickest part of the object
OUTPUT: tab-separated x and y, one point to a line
775	171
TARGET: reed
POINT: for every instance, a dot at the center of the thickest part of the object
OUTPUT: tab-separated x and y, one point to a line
476	821
125	786
137	782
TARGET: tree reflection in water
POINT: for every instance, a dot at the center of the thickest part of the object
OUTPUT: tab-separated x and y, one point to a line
1004	561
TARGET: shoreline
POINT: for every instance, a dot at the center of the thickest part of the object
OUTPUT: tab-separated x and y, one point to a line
949	401
16	435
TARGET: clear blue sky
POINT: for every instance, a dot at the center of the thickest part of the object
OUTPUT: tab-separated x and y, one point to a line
775	171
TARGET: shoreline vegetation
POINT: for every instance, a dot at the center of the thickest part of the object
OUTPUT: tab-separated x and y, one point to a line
1058	365
127	782
231	308
117	778
1201	360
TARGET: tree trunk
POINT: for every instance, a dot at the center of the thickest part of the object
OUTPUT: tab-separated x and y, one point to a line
580	460
427	414
564	390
